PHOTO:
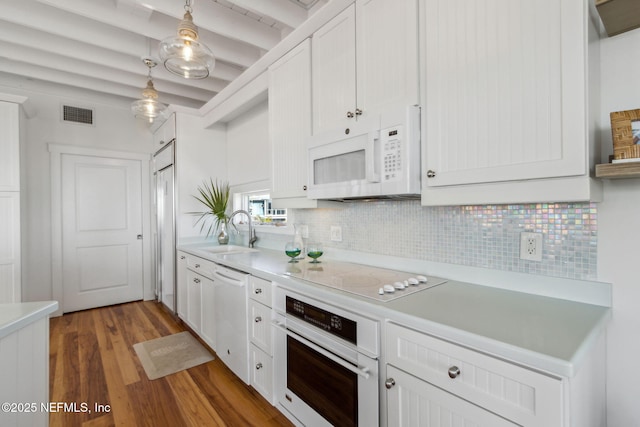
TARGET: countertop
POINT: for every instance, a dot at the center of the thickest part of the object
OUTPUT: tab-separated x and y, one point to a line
549	334
16	316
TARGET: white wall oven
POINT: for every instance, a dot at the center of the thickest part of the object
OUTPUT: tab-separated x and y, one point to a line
326	362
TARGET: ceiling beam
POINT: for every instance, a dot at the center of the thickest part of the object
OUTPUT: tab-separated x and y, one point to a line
67	48
218	19
104	28
283	11
45	59
84	82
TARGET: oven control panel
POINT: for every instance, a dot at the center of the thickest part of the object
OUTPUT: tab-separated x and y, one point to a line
330	322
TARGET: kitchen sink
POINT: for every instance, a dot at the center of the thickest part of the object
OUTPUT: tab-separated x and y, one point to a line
228	249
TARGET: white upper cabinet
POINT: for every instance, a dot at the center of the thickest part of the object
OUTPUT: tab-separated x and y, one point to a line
364	61
9	146
505	99
290	126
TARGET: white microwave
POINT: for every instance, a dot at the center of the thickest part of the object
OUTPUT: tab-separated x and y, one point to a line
375	158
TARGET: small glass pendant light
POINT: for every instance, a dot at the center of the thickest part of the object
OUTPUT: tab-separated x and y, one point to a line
184	55
148	107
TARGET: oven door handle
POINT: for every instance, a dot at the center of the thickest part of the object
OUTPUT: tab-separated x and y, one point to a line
363	372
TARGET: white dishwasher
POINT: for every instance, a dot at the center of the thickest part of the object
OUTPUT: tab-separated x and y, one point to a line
232	329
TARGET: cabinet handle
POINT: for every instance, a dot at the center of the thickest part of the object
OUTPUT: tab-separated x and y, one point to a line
453	371
258	319
304	187
258	291
197	265
431	174
390	382
350	115
358	112
182	257
196	280
258	365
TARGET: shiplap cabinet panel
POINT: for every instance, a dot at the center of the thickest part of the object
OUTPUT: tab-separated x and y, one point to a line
10	277
290	123
505	93
364	59
413	402
9	146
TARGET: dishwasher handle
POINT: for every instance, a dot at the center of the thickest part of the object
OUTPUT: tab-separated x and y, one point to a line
230	280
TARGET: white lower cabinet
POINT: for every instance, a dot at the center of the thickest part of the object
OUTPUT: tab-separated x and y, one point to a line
181	285
208	313
432	381
261	347
262	373
194	300
414	402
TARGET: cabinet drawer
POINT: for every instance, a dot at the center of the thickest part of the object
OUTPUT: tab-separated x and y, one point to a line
260	325
262	373
201	266
516	393
260	290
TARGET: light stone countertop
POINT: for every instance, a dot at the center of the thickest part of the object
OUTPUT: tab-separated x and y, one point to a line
15	316
549	334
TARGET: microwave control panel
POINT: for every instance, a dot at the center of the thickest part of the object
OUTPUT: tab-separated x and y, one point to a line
392	154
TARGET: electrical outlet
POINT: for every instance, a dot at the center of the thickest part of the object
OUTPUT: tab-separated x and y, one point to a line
531	246
336	233
304	231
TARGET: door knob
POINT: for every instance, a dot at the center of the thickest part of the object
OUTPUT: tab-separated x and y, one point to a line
350	115
431	174
258	319
358	112
389	383
453	372
139	236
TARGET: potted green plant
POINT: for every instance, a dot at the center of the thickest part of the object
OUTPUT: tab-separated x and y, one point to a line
215	196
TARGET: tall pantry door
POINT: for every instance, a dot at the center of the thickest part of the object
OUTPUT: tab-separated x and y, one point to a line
101	231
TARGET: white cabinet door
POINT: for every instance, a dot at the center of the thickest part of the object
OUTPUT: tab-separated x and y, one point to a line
364	62
194	301
262	373
182	285
504	90
10	289
334	73
387	55
208	312
9	146
260	325
290	122
413	402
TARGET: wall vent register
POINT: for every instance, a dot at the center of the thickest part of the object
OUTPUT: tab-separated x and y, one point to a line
77	115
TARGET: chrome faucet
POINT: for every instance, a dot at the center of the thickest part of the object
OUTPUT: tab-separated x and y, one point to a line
252	232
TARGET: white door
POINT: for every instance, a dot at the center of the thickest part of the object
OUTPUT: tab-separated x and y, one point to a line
101	231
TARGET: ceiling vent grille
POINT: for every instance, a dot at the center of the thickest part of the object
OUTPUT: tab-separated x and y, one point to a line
77	115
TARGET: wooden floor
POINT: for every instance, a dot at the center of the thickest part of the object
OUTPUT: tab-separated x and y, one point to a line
92	362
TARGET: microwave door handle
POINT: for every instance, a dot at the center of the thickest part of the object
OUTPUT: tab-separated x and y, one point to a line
372	164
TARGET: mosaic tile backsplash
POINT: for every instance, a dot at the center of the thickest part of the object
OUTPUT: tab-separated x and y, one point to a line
479	236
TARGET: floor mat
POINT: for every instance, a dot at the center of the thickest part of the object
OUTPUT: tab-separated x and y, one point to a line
171	354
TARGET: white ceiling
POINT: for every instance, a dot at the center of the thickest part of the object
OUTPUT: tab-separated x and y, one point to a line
98	44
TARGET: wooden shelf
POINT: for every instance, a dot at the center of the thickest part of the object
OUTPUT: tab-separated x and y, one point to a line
618	170
619	16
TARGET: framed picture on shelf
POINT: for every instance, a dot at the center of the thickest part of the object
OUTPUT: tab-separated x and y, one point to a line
625	130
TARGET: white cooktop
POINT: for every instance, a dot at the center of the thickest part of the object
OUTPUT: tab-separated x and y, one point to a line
361	279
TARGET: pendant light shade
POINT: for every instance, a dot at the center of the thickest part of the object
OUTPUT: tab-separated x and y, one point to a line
148	107
184	55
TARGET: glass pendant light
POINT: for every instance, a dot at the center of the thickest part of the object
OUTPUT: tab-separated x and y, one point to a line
183	54
148	107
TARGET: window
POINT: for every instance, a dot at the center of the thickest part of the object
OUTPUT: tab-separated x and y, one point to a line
258	204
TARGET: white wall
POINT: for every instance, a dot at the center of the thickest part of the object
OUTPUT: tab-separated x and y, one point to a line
248	151
114	129
618	234
200	155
